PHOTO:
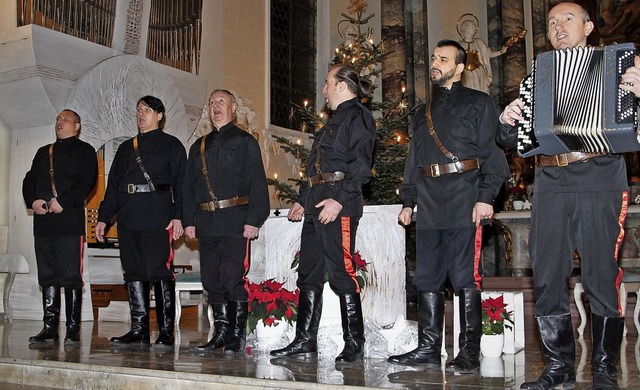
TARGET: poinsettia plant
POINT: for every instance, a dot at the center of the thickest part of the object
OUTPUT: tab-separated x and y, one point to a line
517	192
360	267
495	316
271	303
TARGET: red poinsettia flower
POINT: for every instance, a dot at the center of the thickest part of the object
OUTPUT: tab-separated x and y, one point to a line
494	315
359	261
270	302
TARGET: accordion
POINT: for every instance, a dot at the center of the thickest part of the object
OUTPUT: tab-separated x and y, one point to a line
572	103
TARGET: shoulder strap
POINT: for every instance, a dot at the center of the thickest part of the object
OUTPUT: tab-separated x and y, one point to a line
432	133
204	168
152	188
53	182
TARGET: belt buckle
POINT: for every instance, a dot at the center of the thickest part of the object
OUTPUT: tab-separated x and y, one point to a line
435	170
564	161
131	188
212	205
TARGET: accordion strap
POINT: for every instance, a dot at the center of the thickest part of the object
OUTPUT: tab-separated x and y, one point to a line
432	133
152	188
53	182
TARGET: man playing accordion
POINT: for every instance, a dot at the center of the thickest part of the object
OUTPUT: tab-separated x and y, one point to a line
580	203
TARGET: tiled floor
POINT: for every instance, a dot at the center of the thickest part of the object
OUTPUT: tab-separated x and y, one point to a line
252	368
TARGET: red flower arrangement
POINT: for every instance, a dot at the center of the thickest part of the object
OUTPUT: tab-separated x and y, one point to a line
517	193
495	316
269	302
358	261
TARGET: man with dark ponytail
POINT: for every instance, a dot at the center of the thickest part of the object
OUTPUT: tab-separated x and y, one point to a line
332	203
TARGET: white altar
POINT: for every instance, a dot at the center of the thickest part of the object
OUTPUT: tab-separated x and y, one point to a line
380	240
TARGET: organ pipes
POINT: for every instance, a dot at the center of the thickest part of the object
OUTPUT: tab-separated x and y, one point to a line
174	26
174	34
91	20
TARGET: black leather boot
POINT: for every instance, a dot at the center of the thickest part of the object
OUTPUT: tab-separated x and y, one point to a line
559	350
607	337
305	344
51	317
468	358
352	329
139	308
430	326
222	324
164	292
238	316
73	308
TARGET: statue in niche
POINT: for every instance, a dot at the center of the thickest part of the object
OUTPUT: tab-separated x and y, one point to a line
477	73
618	21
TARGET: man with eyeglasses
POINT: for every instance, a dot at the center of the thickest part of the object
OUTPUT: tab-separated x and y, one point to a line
226	200
61	177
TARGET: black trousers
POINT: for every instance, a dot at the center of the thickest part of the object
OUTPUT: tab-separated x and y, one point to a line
224	264
59	261
453	251
146	256
328	249
592	223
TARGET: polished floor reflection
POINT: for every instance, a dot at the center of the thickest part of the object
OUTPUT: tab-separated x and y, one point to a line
507	372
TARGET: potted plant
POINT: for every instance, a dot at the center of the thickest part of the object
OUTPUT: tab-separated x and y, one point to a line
517	196
495	318
271	305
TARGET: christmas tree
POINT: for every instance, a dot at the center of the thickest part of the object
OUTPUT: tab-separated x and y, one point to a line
391	149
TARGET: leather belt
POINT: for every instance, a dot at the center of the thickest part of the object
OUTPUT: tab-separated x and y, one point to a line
327	177
564	159
136	188
435	170
214	205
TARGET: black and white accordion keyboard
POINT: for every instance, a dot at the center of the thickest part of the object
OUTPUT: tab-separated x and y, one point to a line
573	103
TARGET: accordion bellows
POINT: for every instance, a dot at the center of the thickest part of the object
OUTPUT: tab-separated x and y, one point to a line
573	103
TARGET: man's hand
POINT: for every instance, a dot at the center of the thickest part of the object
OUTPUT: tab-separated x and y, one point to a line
250	232
100	226
631	79
190	232
54	206
40	206
481	211
296	212
330	211
405	216
512	113
175	226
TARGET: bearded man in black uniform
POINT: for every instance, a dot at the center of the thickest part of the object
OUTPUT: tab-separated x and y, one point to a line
453	173
580	202
331	201
226	200
145	192
61	177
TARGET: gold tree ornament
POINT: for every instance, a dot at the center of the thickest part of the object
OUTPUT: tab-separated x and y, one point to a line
357	7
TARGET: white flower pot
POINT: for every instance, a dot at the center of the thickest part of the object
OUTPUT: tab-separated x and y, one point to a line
271	332
518	204
492	345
